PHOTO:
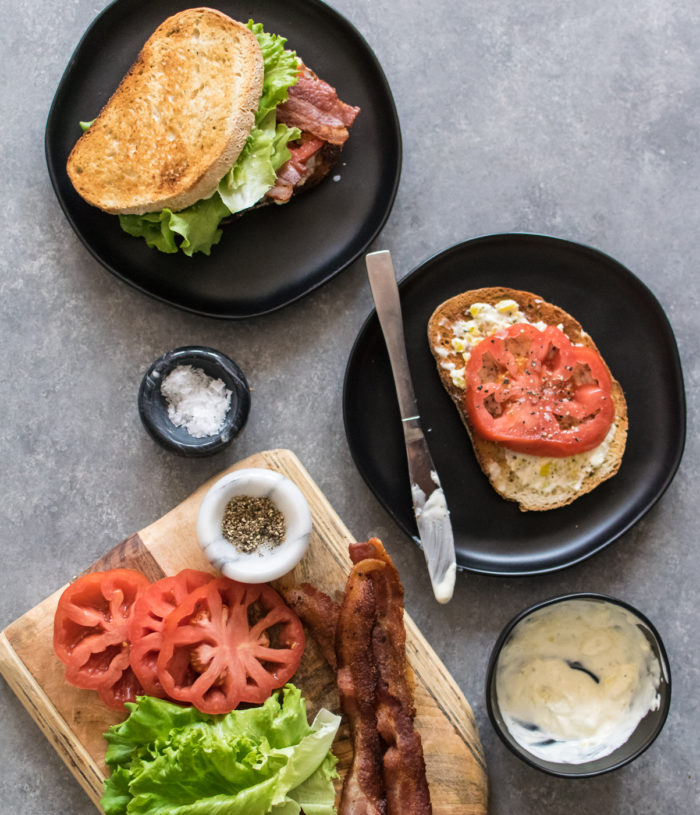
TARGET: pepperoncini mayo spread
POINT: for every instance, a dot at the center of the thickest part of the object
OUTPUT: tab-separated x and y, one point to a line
546	475
574	680
484	320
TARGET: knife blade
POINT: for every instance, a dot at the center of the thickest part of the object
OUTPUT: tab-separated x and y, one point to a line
429	505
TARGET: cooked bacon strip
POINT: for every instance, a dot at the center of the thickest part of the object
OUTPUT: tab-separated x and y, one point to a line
313	106
294	172
318	612
373	548
403	763
407	790
284	186
387	776
389	636
363	789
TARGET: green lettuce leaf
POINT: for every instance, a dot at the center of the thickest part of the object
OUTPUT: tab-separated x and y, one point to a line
280	66
154	228
256	169
265	151
169	760
311	786
252	175
198	225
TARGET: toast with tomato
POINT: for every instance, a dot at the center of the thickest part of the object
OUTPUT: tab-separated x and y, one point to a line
546	418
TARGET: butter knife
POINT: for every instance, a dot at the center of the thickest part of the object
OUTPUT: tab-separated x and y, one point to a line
429	505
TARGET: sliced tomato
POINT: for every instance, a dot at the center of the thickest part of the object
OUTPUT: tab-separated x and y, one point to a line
124	689
146	629
304	148
91	632
534	392
228	643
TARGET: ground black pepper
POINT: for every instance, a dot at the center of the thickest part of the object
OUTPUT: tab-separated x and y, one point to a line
251	523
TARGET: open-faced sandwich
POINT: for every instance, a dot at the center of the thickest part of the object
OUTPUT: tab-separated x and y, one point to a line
213	118
547	420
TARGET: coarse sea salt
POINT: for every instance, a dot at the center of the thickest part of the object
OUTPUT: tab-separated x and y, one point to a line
196	401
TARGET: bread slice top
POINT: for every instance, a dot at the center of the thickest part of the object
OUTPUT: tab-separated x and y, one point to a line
178	120
534	482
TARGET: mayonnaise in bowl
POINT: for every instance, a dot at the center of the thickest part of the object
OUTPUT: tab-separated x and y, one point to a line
579	685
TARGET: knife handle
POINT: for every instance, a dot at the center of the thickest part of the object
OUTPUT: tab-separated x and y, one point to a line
385	291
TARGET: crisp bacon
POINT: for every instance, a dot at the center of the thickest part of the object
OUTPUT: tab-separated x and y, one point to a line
317	611
403	763
362	550
294	172
387	776
363	790
283	189
389	634
313	106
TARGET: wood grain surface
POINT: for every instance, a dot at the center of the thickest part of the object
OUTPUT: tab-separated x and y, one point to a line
73	720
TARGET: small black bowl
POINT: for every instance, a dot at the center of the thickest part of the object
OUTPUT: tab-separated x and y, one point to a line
646	731
153	407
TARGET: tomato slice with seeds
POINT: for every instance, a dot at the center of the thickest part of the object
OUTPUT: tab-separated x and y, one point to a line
534	392
228	643
125	689
91	633
146	628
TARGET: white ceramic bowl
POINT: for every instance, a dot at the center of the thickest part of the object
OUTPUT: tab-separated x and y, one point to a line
266	563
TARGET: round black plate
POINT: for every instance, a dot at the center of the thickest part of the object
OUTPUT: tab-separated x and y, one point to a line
272	256
631	331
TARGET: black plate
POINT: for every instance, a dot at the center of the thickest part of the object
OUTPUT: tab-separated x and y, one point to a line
634	337
270	257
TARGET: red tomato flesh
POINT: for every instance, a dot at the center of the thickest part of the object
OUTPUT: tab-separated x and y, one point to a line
534	392
124	689
228	643
91	633
146	629
308	146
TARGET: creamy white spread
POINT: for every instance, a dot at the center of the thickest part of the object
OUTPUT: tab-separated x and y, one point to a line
445	588
574	680
481	320
431	515
548	475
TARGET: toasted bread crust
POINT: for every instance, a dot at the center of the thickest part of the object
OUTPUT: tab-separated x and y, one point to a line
490	455
178	120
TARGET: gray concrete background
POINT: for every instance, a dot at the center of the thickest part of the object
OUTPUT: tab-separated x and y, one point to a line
578	120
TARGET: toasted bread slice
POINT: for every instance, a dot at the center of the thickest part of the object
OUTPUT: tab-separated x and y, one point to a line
534	482
178	120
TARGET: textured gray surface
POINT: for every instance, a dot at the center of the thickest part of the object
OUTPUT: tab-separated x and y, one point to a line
579	120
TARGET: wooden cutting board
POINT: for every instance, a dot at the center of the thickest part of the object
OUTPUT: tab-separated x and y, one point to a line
73	720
